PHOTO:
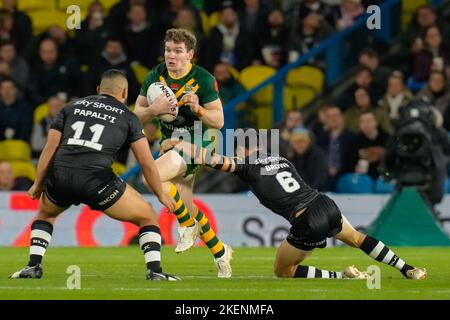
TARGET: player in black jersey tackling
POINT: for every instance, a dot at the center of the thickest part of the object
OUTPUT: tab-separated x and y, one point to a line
313	216
75	167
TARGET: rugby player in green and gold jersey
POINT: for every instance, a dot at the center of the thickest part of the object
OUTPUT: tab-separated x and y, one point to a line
199	105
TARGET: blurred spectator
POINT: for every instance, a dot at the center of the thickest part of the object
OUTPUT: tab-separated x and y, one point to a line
229	43
309	33
50	74
273	40
363	79
396	95
229	87
186	20
112	57
339	146
13	66
363	104
348	12
434	56
319	7
142	37
369	58
319	127
437	91
371	144
292	119
10	31
424	17
8	182
171	10
40	130
91	37
16	115
308	159
253	17
22	26
63	40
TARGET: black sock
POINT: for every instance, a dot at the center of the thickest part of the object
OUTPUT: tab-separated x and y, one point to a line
41	235
150	242
380	252
312	272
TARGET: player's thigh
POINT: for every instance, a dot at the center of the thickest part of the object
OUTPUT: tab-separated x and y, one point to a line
349	235
288	258
171	165
132	207
185	187
47	209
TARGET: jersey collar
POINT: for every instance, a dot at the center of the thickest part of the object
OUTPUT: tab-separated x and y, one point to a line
183	75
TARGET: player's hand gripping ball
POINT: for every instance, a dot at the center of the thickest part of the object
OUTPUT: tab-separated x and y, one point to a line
154	91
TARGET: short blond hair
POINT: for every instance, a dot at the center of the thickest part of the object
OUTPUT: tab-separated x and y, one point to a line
181	36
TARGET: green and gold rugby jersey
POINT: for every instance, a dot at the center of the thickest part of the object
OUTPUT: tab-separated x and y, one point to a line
197	80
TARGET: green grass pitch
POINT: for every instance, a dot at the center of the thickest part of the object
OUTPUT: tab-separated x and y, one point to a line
119	273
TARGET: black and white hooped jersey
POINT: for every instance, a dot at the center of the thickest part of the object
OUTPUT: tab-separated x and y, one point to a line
93	130
276	183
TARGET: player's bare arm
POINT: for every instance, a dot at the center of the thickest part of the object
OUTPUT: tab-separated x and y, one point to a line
145	112
201	155
145	159
210	114
54	138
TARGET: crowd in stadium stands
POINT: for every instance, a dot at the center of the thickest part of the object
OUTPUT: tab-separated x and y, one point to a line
50	68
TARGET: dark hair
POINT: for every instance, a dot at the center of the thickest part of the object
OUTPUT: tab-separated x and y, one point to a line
7	43
113	73
372	53
364	69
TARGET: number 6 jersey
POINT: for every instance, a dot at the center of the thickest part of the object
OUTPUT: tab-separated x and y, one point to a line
93	130
276	183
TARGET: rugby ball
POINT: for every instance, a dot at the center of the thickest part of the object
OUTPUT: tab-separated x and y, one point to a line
156	89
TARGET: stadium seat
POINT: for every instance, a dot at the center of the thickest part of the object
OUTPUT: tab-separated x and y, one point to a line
297	98
118	168
355	183
235	73
40	112
42	19
381	186
205	22
35	5
408	8
262	100
23	169
302	85
306	76
140	71
214	20
15	150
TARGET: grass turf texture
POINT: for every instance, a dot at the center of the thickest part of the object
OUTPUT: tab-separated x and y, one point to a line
119	273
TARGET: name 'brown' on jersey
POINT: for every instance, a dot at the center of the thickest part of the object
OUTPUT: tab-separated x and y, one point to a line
277	184
93	130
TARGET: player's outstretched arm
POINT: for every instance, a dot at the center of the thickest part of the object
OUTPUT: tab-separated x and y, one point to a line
145	159
53	140
201	155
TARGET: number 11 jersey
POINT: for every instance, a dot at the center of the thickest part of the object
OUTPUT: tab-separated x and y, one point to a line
93	130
